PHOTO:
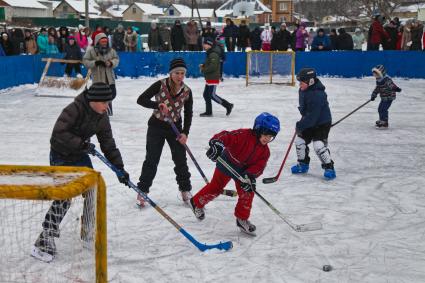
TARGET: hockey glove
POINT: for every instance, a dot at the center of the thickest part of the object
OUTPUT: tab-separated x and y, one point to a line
123	177
215	150
249	186
372	97
98	63
88	147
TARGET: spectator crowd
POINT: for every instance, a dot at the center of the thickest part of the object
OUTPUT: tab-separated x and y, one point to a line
386	34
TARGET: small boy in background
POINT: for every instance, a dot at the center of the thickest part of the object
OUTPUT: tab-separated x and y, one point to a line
386	89
73	52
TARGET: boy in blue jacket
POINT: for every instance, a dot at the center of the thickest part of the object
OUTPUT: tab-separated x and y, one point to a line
314	125
387	89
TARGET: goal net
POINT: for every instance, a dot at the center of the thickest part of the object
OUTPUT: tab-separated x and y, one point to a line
27	195
270	67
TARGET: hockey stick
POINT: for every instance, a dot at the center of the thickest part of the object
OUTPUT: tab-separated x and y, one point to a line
296	227
275	178
349	114
202	247
229	193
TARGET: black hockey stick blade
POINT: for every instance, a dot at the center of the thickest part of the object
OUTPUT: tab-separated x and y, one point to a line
269	180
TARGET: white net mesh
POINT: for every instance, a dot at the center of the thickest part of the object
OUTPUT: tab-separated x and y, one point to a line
270	67
55	227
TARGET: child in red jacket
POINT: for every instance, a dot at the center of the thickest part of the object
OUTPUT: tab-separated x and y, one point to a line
245	150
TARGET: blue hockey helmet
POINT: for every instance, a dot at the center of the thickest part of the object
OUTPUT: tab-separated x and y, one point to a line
266	124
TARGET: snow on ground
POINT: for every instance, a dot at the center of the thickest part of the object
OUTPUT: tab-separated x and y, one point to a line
373	213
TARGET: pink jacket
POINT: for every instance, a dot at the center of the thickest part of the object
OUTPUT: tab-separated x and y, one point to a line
81	40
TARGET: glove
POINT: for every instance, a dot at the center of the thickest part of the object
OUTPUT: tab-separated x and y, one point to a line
215	150
398	89
98	63
88	147
251	186
372	97
123	177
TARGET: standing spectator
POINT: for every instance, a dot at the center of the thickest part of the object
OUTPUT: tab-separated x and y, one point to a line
51	31
101	59
230	34
192	35
273	45
17	39
391	29
30	43
311	36
220	44
98	30
344	41
42	41
130	40
72	52
118	39
81	38
6	44
255	39
301	36
1	50
333	37
178	40
243	36
406	40
377	33
88	32
321	41
63	38
52	48
166	37
423	38
283	38
209	32
266	38
358	39
154	38
399	37
417	32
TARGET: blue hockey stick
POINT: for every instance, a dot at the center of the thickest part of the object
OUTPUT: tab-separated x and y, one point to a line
202	247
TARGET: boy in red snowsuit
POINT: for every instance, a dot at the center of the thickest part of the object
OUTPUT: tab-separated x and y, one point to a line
247	152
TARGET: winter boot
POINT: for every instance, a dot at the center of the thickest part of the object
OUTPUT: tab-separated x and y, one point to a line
329	173
229	109
44	248
382	124
246	226
205	114
300	168
186	196
199	212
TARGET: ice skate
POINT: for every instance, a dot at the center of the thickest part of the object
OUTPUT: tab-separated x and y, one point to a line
44	248
199	212
246	226
300	168
186	196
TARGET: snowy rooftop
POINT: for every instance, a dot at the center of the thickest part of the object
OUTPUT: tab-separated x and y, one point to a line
186	12
411	8
149	9
259	7
117	10
79	6
25	4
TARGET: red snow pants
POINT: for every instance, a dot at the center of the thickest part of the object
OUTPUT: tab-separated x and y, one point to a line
215	188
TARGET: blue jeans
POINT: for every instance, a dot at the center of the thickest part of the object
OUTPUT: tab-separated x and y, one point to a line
59	208
209	94
383	107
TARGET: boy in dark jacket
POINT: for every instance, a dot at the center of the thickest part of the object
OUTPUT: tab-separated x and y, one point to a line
69	146
73	52
247	152
387	89
314	125
211	71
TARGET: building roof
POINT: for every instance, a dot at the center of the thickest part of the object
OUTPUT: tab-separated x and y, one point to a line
149	9
410	8
186	12
34	4
79	6
227	8
117	10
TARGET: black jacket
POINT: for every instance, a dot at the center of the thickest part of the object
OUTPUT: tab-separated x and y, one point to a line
178	40
77	123
73	52
118	41
344	41
243	36
255	38
283	40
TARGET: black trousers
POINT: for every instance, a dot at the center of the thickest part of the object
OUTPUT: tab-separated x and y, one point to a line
155	140
209	94
70	66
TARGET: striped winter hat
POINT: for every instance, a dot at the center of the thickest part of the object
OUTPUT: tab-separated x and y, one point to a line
177	64
99	92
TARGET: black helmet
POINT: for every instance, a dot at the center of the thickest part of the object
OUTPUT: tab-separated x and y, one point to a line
307	75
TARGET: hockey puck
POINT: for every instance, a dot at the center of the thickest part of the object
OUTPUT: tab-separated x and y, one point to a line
327	268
